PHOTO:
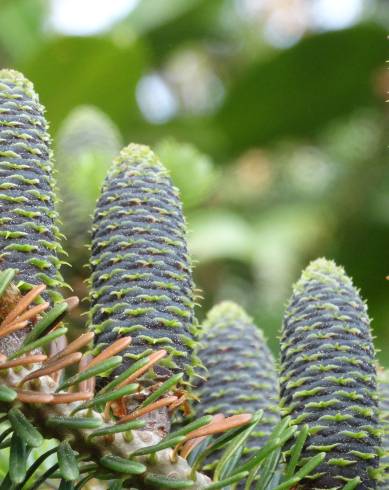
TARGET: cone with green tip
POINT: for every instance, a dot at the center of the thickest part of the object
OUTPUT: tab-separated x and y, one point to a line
241	375
383	405
141	282
29	236
328	376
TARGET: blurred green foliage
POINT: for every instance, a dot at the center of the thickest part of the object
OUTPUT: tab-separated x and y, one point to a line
86	143
193	172
300	90
280	152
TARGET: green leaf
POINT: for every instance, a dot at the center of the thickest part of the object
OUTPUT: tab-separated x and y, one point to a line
192	426
5	279
225	438
6	484
125	374
164	388
7	394
269	469
67	461
40	342
282	425
195	456
228	481
66	485
6	433
167	442
271	460
44	477
101	399
296	451
75	422
104	475
102	367
223	467
262	454
114	429
35	465
116	485
218	443
6	443
121	465
81	484
51	317
162	481
17	459
25	430
272	445
303	472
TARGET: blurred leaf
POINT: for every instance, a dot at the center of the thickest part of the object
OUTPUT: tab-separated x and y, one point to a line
216	234
21	32
301	89
199	131
355	139
192	172
282	236
86	143
288	231
78	70
147	16
167	24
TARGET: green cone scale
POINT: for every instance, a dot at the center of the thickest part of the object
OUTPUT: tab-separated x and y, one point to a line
29	236
328	376
241	374
141	282
383	405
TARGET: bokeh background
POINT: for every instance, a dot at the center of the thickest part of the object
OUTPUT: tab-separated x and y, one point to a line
270	114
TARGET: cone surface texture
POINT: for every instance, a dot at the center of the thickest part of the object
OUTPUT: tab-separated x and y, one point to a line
241	375
383	405
141	282
29	237
328	376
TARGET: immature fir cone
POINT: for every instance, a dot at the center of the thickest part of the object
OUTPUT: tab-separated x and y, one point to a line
241	375
86	144
141	282
383	406
328	377
87	129
29	236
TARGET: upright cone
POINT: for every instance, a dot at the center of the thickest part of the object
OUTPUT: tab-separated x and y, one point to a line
328	376
241	373
141	282
29	235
